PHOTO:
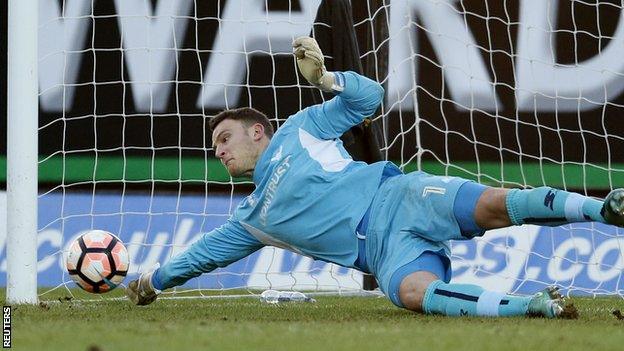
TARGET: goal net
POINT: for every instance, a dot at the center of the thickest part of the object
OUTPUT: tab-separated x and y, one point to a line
514	93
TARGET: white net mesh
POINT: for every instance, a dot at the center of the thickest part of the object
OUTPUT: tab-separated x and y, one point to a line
514	93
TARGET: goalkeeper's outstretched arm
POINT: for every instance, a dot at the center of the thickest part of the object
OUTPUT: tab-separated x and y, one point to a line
218	248
357	96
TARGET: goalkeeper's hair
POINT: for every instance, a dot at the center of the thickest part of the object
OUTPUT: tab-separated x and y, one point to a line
247	115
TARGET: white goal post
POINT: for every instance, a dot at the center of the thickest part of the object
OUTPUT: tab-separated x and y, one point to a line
22	112
510	94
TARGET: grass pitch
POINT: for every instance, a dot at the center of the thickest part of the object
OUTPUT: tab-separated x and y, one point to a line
332	323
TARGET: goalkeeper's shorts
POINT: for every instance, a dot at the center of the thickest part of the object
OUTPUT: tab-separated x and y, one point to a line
415	213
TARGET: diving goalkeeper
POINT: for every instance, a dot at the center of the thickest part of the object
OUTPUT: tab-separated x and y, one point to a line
313	199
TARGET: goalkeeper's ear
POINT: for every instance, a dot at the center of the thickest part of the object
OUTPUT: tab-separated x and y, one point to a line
311	64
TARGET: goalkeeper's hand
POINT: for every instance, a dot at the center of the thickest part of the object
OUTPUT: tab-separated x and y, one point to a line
312	64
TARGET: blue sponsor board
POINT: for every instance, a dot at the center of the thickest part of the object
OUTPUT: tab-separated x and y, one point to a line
154	228
581	258
585	258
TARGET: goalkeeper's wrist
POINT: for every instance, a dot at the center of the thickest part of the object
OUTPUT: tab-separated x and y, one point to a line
332	82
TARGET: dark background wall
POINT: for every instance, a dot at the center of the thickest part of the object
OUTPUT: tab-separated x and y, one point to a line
592	136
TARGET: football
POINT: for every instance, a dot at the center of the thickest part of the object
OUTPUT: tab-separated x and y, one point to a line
97	261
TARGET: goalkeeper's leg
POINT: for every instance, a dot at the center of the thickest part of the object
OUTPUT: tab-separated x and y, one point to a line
498	208
451	299
417	287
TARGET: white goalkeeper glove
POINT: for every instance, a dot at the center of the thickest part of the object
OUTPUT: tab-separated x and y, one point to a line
312	65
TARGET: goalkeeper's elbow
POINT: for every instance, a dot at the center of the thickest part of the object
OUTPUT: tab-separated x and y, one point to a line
360	94
379	93
366	91
373	95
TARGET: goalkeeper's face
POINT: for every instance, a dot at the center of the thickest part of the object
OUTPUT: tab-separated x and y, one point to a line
238	146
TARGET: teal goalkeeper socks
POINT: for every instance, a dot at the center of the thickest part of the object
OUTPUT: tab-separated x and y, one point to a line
551	207
471	300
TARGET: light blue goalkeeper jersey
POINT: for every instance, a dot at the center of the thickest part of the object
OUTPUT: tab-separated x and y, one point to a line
310	195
